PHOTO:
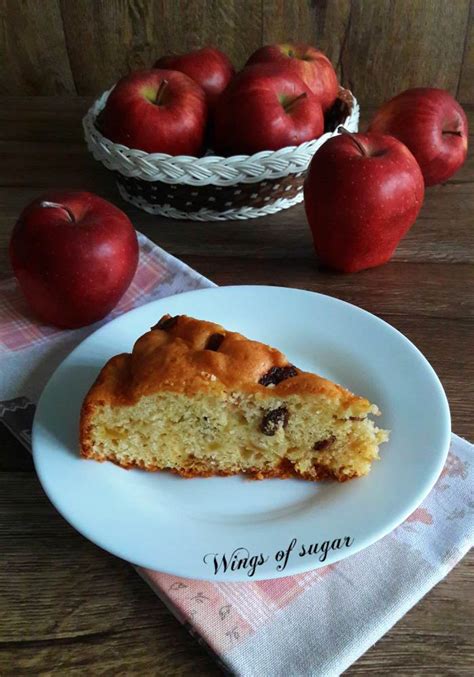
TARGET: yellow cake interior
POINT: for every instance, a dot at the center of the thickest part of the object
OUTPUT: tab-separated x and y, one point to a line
177	404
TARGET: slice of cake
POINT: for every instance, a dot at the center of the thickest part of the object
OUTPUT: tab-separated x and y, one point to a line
199	400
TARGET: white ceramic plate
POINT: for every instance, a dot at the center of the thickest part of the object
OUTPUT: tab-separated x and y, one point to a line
235	528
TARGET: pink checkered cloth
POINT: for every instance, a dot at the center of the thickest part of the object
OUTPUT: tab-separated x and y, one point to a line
316	623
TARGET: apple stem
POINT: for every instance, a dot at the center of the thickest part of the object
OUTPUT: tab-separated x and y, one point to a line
288	106
454	133
161	89
343	130
56	205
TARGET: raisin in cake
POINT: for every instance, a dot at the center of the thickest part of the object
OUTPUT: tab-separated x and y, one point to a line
199	400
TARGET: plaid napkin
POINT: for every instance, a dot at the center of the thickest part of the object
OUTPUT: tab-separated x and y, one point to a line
316	623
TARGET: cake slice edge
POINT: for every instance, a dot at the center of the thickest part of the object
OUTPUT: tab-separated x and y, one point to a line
214	418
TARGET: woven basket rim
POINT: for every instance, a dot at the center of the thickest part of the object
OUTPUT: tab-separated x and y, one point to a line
159	160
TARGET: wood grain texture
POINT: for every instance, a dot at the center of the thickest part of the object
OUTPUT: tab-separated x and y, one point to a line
378	47
284	21
126	35
466	80
332	25
33	54
105	40
67	607
391	46
234	26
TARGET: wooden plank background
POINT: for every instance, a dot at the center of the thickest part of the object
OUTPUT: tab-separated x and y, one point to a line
379	47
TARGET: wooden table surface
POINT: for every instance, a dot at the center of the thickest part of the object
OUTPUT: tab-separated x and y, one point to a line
67	607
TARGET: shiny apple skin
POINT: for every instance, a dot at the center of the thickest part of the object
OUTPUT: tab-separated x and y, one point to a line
361	201
176	125
308	63
73	261
432	124
251	116
208	67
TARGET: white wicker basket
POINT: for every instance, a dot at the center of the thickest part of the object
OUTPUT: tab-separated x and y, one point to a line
212	188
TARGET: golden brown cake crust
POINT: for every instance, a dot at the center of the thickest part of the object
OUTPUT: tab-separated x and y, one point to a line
285	471
176	358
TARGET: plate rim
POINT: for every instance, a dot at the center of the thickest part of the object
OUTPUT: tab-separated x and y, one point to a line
296	567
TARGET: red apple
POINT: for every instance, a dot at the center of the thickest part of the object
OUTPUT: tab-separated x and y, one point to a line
311	65
362	194
265	108
208	67
74	256
158	111
433	126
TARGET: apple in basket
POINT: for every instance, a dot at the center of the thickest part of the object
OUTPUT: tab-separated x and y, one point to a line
265	108
208	67
311	65
158	111
74	256
362	194
433	126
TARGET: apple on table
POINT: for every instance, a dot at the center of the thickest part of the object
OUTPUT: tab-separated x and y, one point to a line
74	256
158	111
362	194
208	67
432	124
265	108
308	63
